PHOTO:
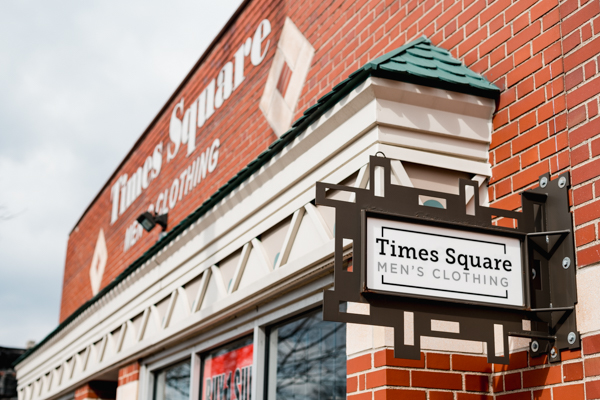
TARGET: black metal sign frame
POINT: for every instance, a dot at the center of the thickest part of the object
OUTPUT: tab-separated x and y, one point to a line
544	225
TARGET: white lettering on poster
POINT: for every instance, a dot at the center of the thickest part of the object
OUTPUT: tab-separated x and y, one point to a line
407	258
234	386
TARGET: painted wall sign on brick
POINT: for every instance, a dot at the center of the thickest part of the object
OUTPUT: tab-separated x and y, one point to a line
204	135
423	260
185	123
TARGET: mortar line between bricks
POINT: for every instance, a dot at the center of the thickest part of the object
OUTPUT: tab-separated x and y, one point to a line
582	184
585	247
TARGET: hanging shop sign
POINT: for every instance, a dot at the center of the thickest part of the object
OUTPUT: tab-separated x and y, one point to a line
420	256
421	260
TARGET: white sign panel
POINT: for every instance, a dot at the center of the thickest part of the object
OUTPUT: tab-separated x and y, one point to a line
407	258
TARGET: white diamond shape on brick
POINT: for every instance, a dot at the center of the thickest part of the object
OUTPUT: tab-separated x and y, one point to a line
98	263
295	51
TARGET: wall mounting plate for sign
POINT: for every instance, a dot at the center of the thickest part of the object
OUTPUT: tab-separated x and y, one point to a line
421	256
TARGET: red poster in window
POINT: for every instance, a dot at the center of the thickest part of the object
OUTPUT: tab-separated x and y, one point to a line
227	374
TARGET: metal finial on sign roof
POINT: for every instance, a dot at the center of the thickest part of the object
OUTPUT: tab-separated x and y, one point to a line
382	154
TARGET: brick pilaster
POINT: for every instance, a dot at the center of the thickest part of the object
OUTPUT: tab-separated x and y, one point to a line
128	382
103	390
377	375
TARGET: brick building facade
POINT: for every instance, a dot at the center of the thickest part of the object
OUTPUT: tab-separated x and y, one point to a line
134	305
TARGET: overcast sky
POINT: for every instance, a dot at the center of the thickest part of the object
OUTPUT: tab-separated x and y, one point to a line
79	82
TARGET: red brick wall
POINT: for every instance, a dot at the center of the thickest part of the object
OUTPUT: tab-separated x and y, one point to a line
440	376
582	45
544	56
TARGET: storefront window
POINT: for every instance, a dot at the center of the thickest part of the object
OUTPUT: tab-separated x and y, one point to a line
173	383
227	372
307	359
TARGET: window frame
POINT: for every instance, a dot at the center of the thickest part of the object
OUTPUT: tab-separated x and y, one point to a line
166	366
255	322
268	351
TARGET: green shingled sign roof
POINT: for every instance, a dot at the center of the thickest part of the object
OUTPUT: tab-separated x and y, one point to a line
437	66
417	62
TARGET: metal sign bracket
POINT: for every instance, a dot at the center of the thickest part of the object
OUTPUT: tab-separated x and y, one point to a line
549	284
